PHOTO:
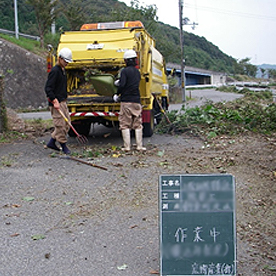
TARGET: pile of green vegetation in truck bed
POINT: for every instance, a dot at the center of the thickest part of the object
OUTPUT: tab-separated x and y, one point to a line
254	112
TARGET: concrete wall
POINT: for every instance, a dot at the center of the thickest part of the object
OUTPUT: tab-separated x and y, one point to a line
25	77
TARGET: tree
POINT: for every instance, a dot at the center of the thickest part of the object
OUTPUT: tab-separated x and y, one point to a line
45	13
272	74
147	14
263	72
245	68
75	14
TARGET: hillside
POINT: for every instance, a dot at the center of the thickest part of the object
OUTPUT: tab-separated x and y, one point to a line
198	51
267	66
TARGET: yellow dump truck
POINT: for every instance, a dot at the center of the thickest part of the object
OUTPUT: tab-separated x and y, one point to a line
97	52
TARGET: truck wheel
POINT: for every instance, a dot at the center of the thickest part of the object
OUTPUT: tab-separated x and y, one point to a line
149	127
81	126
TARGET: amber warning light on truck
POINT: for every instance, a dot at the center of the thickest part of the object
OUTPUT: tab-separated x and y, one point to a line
112	25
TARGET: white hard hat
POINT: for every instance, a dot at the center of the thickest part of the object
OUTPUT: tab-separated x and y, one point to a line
66	54
130	54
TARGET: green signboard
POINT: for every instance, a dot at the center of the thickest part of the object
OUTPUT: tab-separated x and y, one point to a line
197	225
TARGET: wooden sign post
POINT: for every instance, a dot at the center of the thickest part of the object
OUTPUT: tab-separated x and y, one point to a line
197	225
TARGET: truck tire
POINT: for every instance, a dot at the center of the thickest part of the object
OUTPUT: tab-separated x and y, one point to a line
149	127
81	126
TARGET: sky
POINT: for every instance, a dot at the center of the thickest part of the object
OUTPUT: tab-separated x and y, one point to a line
240	28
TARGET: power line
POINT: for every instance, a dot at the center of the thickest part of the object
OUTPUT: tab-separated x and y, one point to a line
235	13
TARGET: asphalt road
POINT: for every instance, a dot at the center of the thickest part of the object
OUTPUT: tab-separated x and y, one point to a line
201	96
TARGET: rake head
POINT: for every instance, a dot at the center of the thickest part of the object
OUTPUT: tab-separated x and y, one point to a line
81	139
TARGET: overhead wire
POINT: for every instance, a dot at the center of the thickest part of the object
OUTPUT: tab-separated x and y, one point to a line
235	13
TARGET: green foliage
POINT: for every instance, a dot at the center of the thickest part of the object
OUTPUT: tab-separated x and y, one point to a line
30	45
45	13
52	39
9	136
230	89
243	67
253	112
272	73
74	13
3	109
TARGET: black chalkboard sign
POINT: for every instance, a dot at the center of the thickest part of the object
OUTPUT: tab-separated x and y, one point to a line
197	224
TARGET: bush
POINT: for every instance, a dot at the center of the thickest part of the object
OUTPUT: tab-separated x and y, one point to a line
254	112
231	89
52	39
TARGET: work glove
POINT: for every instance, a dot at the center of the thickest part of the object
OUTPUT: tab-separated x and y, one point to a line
117	82
116	98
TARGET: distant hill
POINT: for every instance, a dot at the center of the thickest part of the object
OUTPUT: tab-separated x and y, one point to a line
198	51
267	66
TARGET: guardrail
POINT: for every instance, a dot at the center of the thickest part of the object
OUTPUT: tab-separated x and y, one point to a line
3	31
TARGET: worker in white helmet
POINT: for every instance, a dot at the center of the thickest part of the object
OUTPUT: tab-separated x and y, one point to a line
56	91
130	116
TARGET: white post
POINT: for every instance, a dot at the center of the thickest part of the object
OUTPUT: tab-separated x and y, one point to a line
53	28
53	25
182	51
16	20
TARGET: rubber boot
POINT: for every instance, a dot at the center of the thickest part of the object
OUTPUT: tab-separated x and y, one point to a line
139	139
64	148
126	138
52	144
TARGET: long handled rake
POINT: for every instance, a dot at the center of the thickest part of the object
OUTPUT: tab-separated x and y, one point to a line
80	138
83	162
162	109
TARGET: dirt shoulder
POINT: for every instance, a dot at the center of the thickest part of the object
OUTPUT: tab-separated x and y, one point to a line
63	217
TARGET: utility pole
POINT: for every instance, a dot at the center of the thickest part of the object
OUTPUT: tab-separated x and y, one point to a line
16	20
53	25
53	28
182	50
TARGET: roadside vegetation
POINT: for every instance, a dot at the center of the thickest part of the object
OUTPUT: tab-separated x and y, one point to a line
32	45
254	112
28	44
18	129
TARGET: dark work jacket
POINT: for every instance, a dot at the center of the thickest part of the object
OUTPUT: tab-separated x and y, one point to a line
56	85
129	85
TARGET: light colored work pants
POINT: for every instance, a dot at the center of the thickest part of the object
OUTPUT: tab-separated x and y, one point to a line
130	116
61	126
